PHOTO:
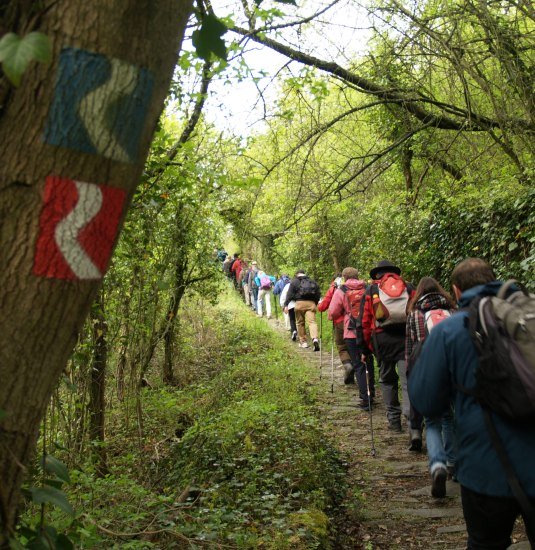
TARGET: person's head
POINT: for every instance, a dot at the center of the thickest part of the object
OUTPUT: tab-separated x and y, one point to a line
469	273
236	254
350	273
427	285
300	273
383	267
254	265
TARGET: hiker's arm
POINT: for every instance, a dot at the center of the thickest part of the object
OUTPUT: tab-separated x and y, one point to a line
336	307
429	383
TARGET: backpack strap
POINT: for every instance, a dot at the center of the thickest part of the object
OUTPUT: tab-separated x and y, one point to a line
504	289
528	509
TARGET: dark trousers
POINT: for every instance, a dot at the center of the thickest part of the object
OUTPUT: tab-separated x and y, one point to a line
490	520
293	324
360	369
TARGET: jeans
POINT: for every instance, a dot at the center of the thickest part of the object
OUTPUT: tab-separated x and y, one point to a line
254	297
440	438
490	520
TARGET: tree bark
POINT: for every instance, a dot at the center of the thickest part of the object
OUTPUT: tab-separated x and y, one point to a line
97	402
42	314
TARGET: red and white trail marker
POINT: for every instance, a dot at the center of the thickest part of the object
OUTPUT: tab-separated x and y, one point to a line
77	229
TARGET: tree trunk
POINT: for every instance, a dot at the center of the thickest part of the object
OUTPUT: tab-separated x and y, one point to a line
87	118
97	403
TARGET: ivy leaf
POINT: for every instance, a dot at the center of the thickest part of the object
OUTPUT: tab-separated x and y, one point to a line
16	53
513	246
207	39
42	495
54	466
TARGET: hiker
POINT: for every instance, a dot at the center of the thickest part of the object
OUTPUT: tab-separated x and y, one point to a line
240	274
445	372
264	284
277	291
306	294
383	317
290	311
245	283
235	270
338	329
226	266
253	288
429	306
346	301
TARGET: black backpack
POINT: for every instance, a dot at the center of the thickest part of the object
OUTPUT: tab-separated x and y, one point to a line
503	332
308	289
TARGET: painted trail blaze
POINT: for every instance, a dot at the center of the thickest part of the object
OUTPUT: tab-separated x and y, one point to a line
99	105
77	229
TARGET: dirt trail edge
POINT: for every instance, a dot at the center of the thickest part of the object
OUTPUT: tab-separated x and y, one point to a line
396	509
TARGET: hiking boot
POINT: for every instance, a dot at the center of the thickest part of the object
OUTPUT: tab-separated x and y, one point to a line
365	405
303	344
349	373
394	426
438	483
416	440
316	344
294	335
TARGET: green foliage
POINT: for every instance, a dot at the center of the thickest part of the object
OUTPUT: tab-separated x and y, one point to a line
235	457
17	52
207	39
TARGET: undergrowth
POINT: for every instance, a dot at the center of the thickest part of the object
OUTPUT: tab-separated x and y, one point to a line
234	458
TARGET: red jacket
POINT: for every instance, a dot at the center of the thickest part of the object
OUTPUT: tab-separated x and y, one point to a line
326	302
340	305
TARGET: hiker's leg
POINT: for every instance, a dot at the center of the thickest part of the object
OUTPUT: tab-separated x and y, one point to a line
489	520
402	373
341	345
293	324
350	368
435	446
259	301
310	315
300	320
247	294
267	297
389	387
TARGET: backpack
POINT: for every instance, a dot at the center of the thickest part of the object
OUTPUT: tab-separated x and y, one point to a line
503	332
308	289
265	282
354	298
433	317
390	301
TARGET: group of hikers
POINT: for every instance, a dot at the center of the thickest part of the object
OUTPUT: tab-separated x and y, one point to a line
472	385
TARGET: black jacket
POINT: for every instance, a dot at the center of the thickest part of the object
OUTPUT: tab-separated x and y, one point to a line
303	288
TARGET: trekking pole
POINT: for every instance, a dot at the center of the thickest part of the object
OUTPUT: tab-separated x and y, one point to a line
321	338
332	361
373	453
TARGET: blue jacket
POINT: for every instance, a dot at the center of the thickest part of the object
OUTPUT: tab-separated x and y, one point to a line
280	284
449	360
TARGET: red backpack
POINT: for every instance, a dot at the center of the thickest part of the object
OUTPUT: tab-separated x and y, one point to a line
354	298
433	317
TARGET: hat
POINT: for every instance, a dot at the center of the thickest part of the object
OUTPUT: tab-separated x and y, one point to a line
384	266
253	263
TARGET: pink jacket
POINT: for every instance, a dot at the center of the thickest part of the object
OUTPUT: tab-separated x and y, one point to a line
340	306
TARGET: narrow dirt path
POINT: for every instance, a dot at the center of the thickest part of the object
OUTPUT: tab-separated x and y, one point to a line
395	509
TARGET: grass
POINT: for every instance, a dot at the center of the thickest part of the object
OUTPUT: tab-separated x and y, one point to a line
236	457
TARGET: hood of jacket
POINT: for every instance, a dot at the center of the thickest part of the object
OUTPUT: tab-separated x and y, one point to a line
432	300
354	284
490	289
